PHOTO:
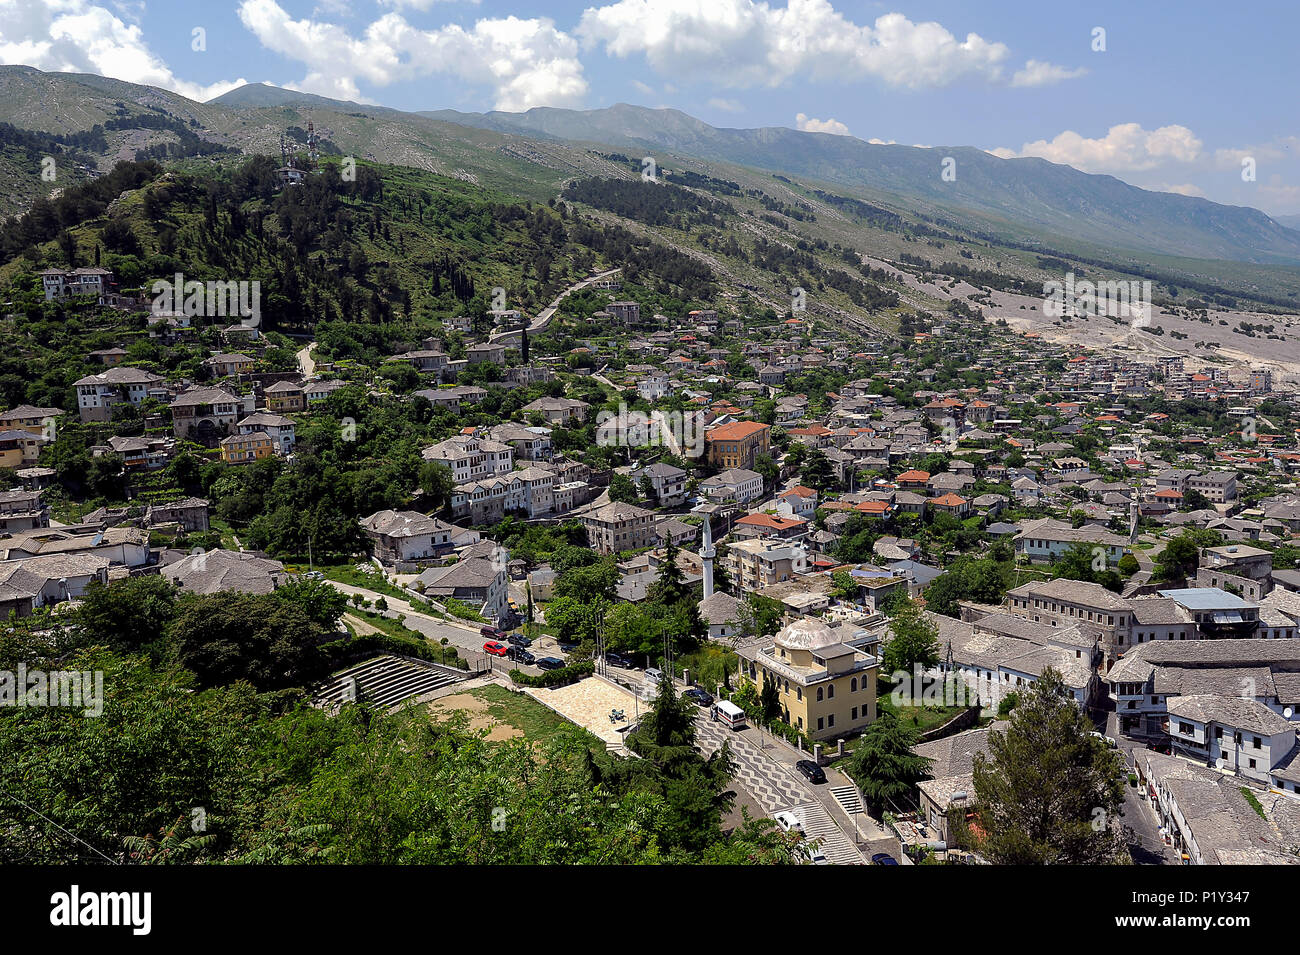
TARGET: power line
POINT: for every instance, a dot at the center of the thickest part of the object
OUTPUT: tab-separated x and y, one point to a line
73	835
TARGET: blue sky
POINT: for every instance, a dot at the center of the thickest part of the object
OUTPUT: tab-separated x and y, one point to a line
1182	94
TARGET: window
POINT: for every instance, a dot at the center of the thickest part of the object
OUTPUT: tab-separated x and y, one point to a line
821	723
830	721
830	692
1185	728
853	685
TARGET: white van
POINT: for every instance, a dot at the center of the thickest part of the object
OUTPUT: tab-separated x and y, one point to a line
653	675
728	714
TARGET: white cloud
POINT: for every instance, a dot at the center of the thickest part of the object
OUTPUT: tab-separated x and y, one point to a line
643	88
727	105
1125	148
415	4
1038	73
527	63
77	36
1182	189
810	125
744	43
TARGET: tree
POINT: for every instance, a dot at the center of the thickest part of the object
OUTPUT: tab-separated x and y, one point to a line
1182	555
229	636
647	489
128	615
915	641
670	583
437	482
622	489
966	578
1048	792
770	702
843	586
884	765
818	472
1195	500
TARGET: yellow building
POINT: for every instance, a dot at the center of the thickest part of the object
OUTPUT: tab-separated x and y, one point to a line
242	448
737	444
825	676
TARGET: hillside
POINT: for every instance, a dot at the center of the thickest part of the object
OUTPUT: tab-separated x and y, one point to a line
1026	195
887	208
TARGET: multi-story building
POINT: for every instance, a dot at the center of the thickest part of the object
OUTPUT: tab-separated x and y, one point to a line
1065	602
246	447
60	283
615	527
1044	540
736	484
825	677
285	397
757	563
471	458
277	427
559	411
202	414
529	444
407	536
529	491
98	394
1219	487
668	481
736	445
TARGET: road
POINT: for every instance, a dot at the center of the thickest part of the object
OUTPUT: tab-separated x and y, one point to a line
305	363
463	635
543	318
1146	847
776	786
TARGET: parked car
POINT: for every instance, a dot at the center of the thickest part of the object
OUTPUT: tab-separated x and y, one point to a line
788	821
519	640
520	655
550	663
495	648
619	660
810	771
883	858
653	674
698	697
492	632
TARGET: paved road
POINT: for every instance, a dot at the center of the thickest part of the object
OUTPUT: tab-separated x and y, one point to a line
776	787
305	363
1146	846
543	318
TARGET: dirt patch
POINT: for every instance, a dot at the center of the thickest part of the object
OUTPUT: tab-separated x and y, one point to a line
476	711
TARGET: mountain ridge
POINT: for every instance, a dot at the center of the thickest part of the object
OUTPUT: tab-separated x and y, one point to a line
1025	200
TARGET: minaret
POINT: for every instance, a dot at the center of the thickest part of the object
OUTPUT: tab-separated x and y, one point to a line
707	553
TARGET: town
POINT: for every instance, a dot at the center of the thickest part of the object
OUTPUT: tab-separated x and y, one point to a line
806	538
403	485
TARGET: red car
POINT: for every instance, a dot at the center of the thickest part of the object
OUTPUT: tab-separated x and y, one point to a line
494	648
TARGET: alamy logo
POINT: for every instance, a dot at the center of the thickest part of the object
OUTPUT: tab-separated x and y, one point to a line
242	300
74	908
72	689
681	433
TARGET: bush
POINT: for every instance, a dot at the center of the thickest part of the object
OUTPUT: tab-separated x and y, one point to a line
569	674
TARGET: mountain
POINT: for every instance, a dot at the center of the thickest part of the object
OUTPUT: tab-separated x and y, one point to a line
1029	202
1027	195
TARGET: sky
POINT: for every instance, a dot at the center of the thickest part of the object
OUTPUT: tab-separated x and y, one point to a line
1187	96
